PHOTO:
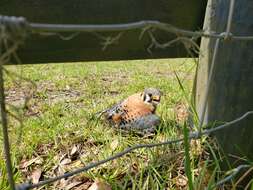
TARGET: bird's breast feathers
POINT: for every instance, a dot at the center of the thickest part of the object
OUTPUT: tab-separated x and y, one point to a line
129	110
135	103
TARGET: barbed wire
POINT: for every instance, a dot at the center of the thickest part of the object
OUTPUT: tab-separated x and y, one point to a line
189	43
37	28
15	30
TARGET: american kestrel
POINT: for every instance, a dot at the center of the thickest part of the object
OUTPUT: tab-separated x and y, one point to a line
137	112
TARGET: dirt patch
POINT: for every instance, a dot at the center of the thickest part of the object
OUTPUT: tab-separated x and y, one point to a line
31	98
120	77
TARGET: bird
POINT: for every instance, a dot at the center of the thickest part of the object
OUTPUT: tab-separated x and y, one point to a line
136	112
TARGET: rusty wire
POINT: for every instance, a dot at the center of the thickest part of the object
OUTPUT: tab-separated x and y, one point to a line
16	29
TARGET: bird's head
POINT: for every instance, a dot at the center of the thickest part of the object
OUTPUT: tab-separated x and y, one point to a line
152	96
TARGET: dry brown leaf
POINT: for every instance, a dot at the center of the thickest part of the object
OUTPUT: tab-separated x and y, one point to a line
100	185
67	87
181	181
196	147
74	182
83	186
114	144
73	150
72	185
65	161
71	166
36	174
181	112
27	163
57	157
58	160
75	164
60	170
62	183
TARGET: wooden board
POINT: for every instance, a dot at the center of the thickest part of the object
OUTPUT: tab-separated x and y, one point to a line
88	46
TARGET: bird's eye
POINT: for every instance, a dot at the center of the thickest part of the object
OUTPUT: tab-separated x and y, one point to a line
149	94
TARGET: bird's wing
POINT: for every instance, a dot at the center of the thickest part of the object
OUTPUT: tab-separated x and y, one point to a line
143	125
108	110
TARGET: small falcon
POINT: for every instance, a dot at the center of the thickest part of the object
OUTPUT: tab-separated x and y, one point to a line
137	112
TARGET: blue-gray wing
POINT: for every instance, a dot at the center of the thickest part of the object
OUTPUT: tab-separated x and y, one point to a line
144	123
116	109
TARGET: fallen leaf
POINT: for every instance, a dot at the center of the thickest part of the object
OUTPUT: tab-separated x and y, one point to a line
25	164
181	112
83	186
74	153
60	170
73	182
36	174
75	164
134	168
181	181
114	144
62	183
59	158
100	185
70	166
196	147
67	87
73	150
65	161
72	185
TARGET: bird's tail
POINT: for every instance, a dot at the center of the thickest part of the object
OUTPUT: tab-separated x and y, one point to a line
100	113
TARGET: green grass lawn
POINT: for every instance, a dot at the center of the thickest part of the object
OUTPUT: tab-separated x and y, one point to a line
58	131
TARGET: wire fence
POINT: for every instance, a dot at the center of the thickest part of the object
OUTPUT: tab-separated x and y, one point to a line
13	32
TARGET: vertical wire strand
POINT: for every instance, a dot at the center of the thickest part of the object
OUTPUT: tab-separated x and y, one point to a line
230	16
209	81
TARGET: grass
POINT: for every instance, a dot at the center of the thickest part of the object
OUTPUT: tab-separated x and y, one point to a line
58	131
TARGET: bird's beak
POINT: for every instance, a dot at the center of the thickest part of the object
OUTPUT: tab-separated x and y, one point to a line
156	98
